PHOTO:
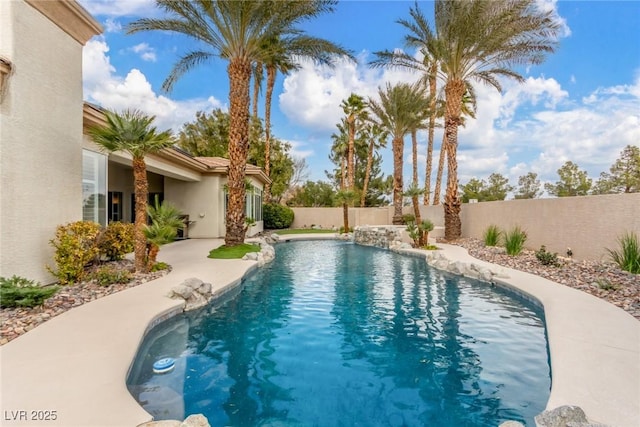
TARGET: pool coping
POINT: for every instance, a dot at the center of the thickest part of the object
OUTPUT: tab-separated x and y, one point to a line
594	346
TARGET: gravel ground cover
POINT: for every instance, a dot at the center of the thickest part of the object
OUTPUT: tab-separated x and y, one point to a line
602	279
17	321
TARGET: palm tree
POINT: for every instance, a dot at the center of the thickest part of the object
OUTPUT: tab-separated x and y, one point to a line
397	112
131	131
478	40
469	108
355	112
282	54
165	222
257	72
377	139
236	31
428	67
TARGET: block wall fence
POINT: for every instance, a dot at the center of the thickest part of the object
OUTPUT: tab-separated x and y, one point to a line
588	225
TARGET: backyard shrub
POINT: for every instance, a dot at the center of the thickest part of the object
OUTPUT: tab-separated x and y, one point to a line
106	276
76	245
547	258
408	219
514	241
20	292
627	256
277	216
116	240
159	266
491	235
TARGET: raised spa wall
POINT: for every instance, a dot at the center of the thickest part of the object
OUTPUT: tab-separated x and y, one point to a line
394	238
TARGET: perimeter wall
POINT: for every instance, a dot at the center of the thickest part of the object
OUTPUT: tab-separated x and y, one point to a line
588	225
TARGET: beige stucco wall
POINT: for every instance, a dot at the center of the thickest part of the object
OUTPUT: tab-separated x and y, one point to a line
40	139
333	217
202	201
588	225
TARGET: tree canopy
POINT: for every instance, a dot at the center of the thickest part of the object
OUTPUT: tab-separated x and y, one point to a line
573	182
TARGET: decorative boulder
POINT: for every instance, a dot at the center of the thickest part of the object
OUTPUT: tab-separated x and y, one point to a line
196	420
194	292
564	416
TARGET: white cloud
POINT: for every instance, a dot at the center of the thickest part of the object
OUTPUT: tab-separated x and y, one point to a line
146	52
120	7
312	95
112	26
552	6
103	86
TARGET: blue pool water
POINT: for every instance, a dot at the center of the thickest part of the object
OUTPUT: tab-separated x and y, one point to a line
336	334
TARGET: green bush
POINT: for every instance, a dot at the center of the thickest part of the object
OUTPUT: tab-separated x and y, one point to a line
117	240
628	255
20	292
491	235
159	266
76	245
277	216
408	219
514	241
547	258
106	276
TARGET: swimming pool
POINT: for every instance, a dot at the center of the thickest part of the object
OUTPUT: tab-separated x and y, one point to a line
334	333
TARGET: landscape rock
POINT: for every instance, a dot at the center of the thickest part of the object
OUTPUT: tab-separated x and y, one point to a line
194	292
562	416
195	420
181	291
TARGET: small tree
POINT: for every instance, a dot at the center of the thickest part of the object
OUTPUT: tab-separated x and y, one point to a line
573	182
528	186
165	223
497	188
132	132
624	176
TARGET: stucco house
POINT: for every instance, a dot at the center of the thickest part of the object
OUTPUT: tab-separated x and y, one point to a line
51	173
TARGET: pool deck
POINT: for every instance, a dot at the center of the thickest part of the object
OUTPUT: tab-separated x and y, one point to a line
76	363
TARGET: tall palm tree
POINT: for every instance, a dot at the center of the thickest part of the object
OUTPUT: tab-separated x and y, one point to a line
236	31
257	72
427	66
132	132
282	54
355	112
469	108
478	40
377	137
397	112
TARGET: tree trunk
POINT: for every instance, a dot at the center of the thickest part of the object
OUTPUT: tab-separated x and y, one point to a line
351	123
141	191
443	152
345	216
414	155
153	255
256	88
367	173
271	81
239	78
454	90
397	148
432	125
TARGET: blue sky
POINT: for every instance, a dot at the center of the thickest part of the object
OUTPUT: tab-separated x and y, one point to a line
582	104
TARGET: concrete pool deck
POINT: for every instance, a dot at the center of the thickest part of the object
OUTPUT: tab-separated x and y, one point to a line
76	363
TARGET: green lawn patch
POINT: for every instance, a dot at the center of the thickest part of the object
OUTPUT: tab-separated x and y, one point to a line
304	231
233	252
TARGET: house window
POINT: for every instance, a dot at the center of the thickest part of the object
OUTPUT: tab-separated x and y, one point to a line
253	203
94	187
115	205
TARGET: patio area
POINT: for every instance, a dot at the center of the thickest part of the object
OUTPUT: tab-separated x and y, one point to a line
76	364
